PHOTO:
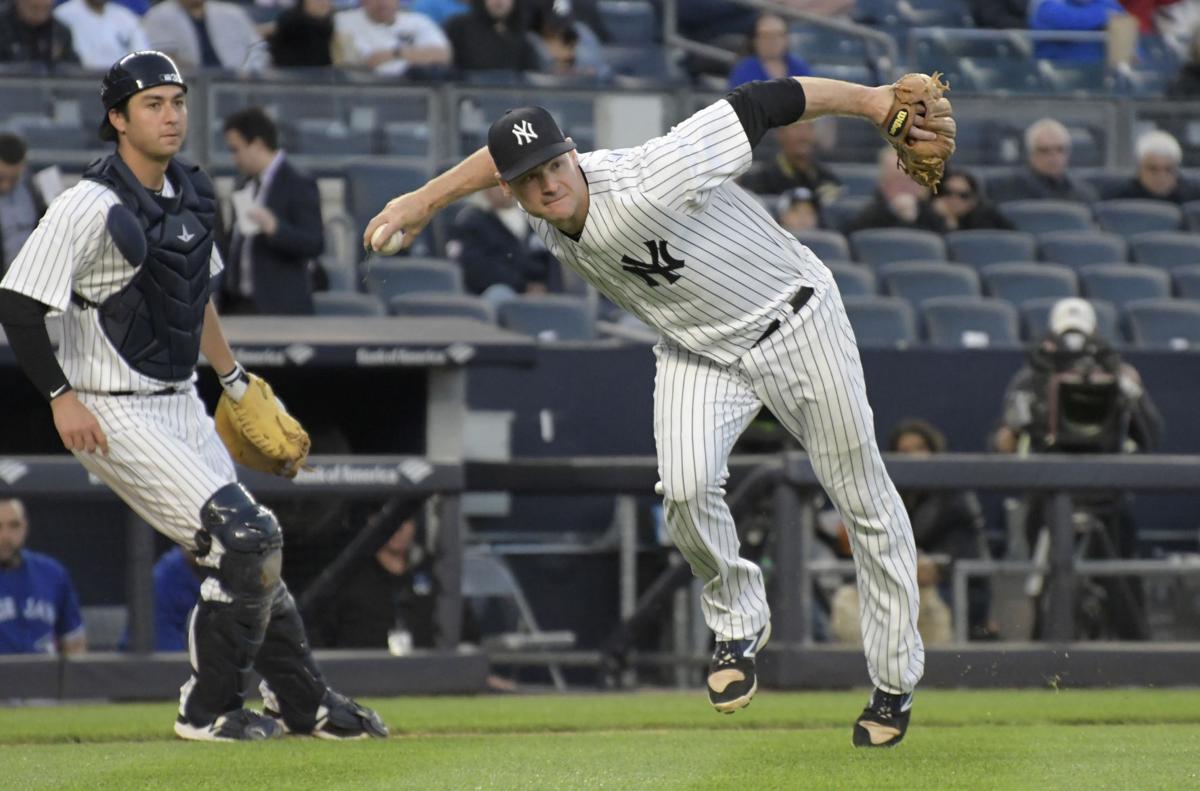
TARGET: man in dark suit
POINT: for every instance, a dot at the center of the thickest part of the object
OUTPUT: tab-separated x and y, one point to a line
269	270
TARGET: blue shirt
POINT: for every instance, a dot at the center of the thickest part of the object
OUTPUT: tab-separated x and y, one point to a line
176	590
751	69
38	606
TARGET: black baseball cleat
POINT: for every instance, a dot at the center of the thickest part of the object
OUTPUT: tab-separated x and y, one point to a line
884	720
338	718
732	680
240	725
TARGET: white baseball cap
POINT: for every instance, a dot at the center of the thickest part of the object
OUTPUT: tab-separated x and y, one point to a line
1073	313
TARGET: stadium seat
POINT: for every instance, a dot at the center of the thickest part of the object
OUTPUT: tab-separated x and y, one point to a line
1164	323
1191	214
426	304
824	46
652	62
391	277
839	214
853	280
629	22
1187	281
1018	283
829	246
1078	249
1042	216
347	303
886	245
997	76
1035	319
340	276
856	179
1120	284
1166	250
980	248
549	317
488	576
971	322
919	281
370	185
1066	80
320	136
407	138
881	321
1129	217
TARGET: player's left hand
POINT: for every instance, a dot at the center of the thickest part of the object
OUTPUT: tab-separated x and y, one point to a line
920	125
267	222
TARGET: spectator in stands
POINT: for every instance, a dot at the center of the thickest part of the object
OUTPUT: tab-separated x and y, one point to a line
794	166
797	210
565	45
948	524
491	37
770	58
1187	82
1001	14
1045	177
390	601
1071	15
39	611
303	35
379	36
899	202
269	270
582	12
103	32
1076	395
963	208
499	253
1158	157
29	33
21	202
209	34
177	579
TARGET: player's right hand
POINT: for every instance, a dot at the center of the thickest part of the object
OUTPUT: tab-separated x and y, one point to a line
77	426
410	213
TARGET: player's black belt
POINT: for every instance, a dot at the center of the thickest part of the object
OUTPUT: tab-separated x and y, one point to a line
797	301
164	391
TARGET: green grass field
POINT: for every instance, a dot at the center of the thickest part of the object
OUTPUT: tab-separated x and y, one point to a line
1127	739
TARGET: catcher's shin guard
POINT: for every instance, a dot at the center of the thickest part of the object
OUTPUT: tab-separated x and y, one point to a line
292	683
242	540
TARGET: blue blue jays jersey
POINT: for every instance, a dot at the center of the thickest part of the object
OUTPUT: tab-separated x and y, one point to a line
38	606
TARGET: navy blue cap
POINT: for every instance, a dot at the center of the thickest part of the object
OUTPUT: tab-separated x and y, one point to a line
523	139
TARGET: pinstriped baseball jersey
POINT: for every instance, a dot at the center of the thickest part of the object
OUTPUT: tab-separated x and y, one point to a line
71	250
672	240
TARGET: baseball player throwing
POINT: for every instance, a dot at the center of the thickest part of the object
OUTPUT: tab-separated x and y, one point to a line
748	316
127	256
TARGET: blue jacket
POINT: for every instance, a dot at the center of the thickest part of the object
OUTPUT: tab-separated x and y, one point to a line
750	69
1071	15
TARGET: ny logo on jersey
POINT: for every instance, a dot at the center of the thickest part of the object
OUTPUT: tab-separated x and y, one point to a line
524	132
648	271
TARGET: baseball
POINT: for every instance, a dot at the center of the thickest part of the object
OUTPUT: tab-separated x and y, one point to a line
391	246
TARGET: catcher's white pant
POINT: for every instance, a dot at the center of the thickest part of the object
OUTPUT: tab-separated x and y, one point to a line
164	458
808	373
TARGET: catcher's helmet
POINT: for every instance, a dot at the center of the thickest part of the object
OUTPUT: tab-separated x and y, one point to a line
133	73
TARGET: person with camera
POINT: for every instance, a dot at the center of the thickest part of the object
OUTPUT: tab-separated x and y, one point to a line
1076	395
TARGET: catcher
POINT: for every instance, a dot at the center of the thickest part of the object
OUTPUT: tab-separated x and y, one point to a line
748	317
127	257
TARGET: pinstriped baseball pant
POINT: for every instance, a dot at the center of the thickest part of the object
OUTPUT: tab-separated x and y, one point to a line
808	373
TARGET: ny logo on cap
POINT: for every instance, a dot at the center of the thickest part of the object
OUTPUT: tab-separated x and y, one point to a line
524	132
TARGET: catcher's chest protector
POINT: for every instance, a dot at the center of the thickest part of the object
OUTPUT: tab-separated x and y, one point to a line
155	321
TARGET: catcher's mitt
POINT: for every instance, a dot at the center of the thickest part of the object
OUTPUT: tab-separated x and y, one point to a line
259	432
921	95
